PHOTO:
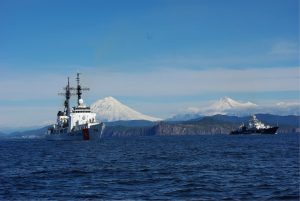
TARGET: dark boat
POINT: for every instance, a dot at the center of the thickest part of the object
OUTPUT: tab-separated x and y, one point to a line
255	127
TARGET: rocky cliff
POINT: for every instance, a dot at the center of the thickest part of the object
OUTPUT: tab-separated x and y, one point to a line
205	126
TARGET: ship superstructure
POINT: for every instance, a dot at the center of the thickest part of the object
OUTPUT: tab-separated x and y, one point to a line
255	127
77	122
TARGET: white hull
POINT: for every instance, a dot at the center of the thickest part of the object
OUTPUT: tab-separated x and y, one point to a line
94	133
76	123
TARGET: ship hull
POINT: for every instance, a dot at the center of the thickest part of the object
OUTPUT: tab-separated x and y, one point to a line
93	133
270	131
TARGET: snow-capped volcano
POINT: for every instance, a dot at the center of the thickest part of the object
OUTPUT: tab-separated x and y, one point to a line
227	103
224	106
110	109
228	106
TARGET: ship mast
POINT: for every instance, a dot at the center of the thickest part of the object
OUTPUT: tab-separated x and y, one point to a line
67	95
79	89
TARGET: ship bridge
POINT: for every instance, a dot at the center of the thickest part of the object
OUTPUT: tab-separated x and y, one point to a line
81	116
81	108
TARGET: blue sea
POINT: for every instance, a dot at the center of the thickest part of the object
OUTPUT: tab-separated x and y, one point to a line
209	167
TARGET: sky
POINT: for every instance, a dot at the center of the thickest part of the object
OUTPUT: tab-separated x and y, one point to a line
157	56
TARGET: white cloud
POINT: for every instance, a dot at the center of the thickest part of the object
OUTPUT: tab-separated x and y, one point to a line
23	116
31	86
288	104
285	49
190	82
163	82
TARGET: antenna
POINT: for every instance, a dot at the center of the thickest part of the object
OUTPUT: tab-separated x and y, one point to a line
79	89
67	95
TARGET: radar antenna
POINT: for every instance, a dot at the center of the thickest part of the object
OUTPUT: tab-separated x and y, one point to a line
79	89
67	95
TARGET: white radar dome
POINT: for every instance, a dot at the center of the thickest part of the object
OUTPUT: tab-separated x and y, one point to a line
80	101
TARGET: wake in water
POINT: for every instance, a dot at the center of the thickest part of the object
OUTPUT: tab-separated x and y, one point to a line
103	127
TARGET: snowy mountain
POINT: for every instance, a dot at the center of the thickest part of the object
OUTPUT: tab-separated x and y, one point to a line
110	109
227	105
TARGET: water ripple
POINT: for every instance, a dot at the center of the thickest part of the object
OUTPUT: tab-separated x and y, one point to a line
152	168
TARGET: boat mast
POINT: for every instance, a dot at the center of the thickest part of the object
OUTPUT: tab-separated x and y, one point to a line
79	89
79	92
67	95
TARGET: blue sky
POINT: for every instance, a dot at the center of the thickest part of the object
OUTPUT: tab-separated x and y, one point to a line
145	46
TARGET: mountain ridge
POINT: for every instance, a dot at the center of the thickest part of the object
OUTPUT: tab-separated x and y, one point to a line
217	124
229	106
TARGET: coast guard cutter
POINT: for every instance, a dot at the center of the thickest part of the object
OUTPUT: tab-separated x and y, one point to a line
76	123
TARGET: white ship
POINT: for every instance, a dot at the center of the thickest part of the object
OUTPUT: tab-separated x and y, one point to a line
76	123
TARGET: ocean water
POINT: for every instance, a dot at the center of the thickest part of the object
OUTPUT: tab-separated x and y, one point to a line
219	167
